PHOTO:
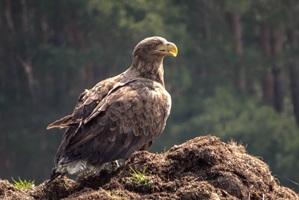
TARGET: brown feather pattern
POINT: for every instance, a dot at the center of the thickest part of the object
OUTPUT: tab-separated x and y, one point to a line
118	115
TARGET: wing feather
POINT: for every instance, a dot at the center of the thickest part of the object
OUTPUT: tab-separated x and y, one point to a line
88	100
64	122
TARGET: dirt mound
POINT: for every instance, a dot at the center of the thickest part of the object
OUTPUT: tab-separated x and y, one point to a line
202	168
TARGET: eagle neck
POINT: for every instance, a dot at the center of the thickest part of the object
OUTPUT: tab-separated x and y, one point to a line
149	70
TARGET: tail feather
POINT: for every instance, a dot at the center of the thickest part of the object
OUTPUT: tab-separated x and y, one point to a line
64	122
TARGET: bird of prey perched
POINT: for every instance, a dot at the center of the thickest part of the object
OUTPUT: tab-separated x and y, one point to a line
119	115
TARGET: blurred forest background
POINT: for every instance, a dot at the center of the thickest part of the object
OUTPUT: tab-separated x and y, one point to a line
236	75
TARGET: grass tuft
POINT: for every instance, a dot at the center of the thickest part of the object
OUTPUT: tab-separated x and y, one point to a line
140	177
22	184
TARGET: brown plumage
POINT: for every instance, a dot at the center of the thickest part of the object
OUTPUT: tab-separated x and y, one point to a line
118	115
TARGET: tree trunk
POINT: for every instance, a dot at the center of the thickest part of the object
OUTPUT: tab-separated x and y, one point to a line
26	63
236	27
294	75
206	19
277	70
268	80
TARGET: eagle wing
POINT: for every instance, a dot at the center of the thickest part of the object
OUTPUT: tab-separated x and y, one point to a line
125	120
87	102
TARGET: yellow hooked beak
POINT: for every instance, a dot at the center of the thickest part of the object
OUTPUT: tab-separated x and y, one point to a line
169	49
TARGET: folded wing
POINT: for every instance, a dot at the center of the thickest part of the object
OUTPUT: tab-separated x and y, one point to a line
126	120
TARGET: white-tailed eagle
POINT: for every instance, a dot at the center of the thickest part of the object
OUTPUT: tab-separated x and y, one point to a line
119	115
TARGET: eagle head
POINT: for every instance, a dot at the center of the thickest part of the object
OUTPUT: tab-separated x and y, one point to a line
154	47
